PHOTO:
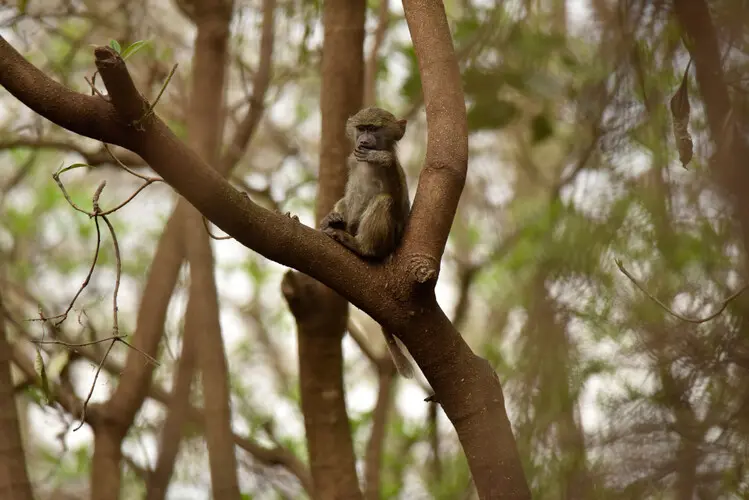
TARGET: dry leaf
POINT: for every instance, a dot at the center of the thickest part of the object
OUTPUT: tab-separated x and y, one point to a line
680	113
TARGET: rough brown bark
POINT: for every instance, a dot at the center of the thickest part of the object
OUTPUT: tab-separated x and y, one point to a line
14	480
320	313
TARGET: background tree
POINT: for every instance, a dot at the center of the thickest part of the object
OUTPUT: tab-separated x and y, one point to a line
573	168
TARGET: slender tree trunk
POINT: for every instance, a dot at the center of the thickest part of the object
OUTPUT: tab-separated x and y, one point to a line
14	480
176	418
205	124
321	314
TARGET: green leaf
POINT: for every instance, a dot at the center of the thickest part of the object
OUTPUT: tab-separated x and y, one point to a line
491	116
133	48
411	88
115	45
55	366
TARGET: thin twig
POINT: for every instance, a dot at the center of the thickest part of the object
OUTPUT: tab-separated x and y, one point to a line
208	230
96	214
93	384
127	169
94	90
671	311
116	325
143	353
151	107
64	315
82	344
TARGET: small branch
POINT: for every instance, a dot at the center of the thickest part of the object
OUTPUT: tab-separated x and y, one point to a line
378	434
260	82
671	311
127	169
96	214
93	384
118	259
208	230
99	212
64	315
93	158
370	69
149	111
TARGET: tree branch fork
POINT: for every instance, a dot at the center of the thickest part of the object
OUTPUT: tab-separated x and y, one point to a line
123	119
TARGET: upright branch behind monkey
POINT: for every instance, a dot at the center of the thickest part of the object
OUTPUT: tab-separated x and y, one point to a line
371	217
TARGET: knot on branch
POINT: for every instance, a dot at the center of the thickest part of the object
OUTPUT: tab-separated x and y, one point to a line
106	56
122	93
307	297
422	269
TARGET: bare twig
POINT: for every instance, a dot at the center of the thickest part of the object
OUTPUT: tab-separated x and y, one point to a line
208	230
93	384
62	317
95	213
151	107
671	311
81	344
129	170
260	82
370	69
118	267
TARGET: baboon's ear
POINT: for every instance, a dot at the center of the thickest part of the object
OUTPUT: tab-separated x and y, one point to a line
401	129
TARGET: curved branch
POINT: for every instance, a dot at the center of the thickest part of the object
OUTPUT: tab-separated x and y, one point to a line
443	177
261	80
670	311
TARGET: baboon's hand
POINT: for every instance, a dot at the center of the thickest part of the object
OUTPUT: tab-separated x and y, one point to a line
332	220
373	156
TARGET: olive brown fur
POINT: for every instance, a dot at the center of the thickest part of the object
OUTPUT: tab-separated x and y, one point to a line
371	217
